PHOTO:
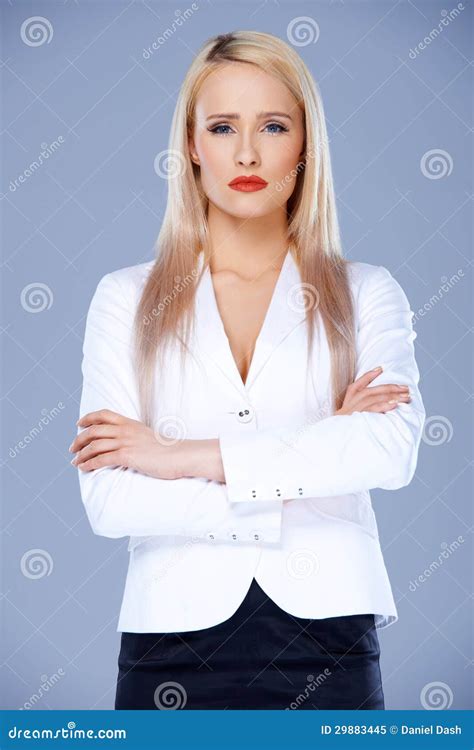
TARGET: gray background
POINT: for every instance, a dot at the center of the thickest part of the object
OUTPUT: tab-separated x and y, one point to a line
96	205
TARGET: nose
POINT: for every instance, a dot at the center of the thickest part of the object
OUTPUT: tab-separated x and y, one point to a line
247	161
246	154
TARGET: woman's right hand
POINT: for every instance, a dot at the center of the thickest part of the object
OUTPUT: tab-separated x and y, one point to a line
378	398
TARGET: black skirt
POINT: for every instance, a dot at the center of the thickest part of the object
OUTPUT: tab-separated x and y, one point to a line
260	658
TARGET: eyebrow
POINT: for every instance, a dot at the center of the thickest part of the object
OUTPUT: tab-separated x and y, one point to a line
236	116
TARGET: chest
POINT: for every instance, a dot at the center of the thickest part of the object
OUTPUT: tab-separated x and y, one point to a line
243	306
273	384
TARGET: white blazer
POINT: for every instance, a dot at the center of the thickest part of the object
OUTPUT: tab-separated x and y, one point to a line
295	512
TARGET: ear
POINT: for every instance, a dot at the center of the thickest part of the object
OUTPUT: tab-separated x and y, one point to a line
304	147
192	150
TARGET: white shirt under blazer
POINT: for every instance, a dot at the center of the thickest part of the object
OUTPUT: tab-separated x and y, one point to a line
295	511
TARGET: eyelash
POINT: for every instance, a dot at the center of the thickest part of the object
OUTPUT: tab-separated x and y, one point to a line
223	125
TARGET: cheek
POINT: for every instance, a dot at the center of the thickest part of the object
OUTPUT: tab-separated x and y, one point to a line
216	169
286	165
284	158
213	158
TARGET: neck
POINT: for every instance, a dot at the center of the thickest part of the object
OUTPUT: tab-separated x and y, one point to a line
247	246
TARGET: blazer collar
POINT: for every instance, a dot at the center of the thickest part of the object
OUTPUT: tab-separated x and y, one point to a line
284	314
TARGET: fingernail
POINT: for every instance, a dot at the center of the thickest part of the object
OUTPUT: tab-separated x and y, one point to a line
73	462
377	368
393	401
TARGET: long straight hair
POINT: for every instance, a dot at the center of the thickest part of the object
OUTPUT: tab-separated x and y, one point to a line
313	231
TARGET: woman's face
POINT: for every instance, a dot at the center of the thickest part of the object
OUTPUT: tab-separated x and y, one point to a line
247	123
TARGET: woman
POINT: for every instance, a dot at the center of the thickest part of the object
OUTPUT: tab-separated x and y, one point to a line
237	456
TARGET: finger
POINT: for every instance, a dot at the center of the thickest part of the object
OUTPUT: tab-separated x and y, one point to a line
92	433
387	388
95	448
103	416
98	462
382	407
367	378
384	404
388	391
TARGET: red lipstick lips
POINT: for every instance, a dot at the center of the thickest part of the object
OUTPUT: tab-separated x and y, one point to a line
248	184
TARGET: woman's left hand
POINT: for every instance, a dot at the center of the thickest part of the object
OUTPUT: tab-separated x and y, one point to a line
114	440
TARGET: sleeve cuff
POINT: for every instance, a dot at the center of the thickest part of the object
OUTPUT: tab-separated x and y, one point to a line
251	469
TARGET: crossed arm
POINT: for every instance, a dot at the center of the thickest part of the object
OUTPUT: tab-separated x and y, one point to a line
134	482
114	440
110	439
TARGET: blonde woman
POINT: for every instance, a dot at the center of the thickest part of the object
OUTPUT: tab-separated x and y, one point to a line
243	392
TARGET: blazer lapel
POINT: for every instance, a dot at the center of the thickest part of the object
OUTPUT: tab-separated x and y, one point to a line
284	314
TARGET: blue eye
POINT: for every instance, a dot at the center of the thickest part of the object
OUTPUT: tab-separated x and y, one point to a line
282	129
278	125
215	129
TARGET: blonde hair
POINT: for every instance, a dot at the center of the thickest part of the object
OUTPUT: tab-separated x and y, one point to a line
313	232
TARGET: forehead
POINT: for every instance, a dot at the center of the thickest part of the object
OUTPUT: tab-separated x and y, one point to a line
242	88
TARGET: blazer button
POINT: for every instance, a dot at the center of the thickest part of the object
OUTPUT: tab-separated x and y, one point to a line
245	415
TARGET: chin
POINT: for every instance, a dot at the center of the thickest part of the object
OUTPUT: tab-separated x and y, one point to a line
255	214
256	211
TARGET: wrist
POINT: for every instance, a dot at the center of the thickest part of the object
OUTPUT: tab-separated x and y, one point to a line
200	458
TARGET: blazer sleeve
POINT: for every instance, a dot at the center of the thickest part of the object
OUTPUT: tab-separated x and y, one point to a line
347	453
120	501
